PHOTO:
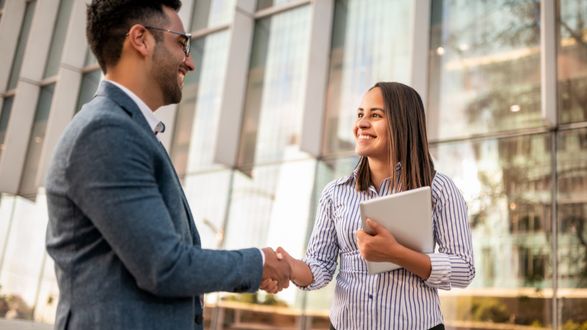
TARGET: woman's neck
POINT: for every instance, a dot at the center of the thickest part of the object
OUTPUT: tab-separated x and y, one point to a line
379	170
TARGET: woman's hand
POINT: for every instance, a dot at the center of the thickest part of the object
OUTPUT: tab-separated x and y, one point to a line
300	272
380	246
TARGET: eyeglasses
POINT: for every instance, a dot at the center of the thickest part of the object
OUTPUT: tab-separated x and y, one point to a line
185	39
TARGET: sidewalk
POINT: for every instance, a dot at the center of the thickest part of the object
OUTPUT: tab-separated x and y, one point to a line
23	325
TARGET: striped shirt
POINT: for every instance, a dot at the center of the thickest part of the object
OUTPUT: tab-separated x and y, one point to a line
397	299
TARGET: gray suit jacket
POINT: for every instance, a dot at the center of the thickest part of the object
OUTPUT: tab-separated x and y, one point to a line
127	252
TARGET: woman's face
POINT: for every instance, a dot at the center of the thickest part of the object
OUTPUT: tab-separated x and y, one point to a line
372	127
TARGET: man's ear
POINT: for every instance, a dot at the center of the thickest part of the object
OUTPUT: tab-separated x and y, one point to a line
139	40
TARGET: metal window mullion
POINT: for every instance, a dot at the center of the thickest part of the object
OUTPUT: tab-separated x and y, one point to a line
27	93
420	47
317	77
235	83
548	70
548	63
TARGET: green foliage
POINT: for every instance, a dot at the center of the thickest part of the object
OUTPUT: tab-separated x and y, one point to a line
490	309
572	325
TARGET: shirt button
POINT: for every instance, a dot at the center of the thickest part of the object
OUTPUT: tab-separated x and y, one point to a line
370	296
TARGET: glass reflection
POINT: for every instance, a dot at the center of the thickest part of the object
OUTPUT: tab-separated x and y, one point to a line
272	208
507	184
370	43
210	13
484	67
572	228
197	117
20	47
88	87
28	182
262	4
58	38
209	204
23	258
273	117
572	60
4	118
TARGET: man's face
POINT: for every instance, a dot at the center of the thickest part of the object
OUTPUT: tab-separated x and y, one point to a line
171	63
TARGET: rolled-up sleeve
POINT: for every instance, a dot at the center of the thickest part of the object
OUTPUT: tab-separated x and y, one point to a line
452	264
323	246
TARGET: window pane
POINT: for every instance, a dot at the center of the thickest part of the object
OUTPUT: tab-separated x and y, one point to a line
370	43
484	67
572	228
507	185
273	107
209	205
210	13
31	166
196	121
59	33
6	209
4	118
90	58
88	87
272	208
20	47
24	254
262	4
572	61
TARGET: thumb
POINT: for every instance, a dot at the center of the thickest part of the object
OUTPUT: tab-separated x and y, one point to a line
375	226
281	253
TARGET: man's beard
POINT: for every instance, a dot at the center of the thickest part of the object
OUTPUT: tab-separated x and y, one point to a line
166	75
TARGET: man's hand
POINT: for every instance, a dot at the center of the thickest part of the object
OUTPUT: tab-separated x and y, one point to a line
276	272
381	246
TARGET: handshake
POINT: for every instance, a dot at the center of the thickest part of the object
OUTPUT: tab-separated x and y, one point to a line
279	269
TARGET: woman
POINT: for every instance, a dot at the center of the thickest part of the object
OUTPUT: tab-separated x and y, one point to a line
390	136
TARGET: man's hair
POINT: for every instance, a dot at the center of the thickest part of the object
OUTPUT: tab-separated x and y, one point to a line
108	22
410	161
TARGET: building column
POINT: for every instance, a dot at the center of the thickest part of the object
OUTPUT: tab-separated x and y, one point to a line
64	102
27	93
235	83
317	77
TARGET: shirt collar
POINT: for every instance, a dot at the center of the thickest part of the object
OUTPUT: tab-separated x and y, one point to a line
353	176
156	125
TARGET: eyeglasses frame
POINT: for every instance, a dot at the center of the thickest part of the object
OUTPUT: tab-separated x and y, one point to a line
188	38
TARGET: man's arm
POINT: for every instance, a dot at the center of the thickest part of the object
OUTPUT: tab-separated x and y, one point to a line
112	180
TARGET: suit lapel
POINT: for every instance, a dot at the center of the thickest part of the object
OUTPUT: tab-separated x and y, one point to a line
127	104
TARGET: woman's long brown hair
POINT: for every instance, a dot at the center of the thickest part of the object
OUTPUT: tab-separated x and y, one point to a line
407	140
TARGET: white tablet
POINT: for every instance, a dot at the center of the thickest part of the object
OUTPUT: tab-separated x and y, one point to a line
407	215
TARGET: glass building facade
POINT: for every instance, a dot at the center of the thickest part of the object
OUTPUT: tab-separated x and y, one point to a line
265	123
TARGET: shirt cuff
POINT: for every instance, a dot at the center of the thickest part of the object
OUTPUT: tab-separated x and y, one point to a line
262	256
440	272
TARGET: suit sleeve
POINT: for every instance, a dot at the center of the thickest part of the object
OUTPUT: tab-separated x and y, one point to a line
112	180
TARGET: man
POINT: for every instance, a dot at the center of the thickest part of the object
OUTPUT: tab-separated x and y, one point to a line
127	252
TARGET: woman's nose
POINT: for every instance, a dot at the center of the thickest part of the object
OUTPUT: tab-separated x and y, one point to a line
363	122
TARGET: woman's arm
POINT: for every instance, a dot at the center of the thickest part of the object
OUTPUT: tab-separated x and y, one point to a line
300	272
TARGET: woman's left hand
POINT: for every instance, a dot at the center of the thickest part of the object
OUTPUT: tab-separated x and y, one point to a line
379	246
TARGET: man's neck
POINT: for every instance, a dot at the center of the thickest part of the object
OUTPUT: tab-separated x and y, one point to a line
136	85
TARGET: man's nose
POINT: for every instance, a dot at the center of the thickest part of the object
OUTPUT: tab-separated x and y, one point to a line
189	63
